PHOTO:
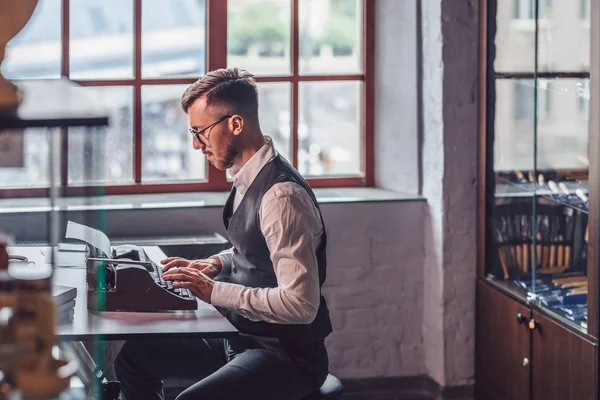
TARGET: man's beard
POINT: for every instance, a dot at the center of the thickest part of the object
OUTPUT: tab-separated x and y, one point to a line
231	152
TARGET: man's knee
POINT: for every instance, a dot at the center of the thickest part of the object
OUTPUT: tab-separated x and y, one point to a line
186	395
193	394
212	388
126	360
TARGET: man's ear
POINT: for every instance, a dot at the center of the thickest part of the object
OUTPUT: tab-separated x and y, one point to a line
237	124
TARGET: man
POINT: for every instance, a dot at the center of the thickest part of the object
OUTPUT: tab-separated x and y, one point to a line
268	284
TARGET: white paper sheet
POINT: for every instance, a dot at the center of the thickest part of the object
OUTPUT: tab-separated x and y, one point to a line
89	235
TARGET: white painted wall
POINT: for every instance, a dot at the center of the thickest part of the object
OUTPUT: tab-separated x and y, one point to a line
433	174
450	146
396	83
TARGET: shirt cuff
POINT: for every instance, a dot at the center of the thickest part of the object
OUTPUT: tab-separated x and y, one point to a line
225	259
225	294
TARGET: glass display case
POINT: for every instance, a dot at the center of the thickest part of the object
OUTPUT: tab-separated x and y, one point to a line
538	163
34	306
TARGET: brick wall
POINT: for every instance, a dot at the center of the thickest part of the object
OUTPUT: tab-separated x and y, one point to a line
374	288
450	101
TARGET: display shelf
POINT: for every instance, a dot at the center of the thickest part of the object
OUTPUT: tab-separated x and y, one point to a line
508	189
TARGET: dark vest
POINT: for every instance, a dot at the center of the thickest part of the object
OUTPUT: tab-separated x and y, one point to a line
252	266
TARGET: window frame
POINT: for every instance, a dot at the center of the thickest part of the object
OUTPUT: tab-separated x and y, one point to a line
216	57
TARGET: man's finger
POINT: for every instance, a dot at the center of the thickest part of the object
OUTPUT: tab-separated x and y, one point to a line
198	265
175	277
169	259
180	262
200	274
188	273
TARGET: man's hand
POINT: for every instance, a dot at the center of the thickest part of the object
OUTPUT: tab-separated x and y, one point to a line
209	266
192	279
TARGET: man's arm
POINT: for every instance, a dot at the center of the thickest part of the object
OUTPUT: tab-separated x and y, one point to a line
292	229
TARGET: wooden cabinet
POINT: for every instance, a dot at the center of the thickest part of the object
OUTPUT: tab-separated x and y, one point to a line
562	363
522	354
502	363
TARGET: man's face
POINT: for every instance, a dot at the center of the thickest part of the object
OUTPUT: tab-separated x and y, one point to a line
219	143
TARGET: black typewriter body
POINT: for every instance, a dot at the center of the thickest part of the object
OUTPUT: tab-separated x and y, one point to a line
131	281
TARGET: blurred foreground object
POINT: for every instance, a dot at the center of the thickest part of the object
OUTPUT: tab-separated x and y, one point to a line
14	14
27	336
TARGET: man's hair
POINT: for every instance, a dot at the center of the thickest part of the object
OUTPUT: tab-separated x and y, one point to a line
233	89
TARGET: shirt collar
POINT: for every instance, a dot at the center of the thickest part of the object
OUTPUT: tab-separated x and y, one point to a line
246	175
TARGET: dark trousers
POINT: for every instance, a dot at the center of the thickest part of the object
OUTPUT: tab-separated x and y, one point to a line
224	369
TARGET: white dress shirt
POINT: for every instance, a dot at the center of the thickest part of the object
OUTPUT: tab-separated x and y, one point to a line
292	228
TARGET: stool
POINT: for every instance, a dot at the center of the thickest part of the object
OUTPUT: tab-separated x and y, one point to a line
331	389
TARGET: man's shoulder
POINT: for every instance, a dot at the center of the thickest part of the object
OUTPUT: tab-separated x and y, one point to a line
288	189
291	199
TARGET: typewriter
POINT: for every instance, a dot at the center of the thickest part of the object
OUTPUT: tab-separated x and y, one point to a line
131	281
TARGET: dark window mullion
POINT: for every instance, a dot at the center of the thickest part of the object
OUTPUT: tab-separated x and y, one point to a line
64	72
137	91
295	84
542	75
368	93
216	57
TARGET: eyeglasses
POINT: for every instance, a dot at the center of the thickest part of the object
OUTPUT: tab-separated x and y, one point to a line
197	134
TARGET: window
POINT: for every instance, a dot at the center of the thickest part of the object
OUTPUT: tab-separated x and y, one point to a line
525	9
138	56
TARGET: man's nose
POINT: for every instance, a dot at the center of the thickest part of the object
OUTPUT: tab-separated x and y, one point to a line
198	145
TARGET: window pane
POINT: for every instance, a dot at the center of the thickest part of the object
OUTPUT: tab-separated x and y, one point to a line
523	100
173	38
331	36
330	136
563	134
562	120
564	31
35	51
515	36
101	39
36	160
258	37
564	38
275	115
104	155
167	150
514	123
